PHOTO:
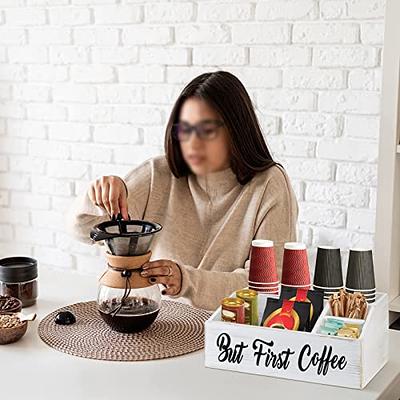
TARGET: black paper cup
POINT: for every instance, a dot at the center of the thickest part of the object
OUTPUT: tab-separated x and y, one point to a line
367	291
328	269
326	292
360	271
328	288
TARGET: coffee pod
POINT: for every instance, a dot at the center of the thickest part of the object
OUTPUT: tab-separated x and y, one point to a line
262	263
295	269
328	268
360	270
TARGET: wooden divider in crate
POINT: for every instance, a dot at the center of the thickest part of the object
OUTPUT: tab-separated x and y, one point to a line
304	356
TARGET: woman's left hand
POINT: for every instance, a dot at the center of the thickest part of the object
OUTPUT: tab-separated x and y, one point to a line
165	272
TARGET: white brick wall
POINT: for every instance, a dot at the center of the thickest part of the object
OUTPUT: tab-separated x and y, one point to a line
86	87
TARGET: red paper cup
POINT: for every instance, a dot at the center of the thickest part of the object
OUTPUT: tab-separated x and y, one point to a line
306	287
273	292
295	269
263	290
270	284
262	285
266	288
262	262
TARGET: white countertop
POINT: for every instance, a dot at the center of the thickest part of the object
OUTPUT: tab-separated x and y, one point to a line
32	370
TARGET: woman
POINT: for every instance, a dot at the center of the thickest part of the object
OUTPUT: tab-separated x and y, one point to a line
215	190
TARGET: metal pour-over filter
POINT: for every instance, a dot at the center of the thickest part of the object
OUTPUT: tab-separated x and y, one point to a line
126	237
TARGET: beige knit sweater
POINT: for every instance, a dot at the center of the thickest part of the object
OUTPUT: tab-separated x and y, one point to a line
208	223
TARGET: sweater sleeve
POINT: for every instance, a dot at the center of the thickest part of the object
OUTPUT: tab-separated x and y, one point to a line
83	214
277	221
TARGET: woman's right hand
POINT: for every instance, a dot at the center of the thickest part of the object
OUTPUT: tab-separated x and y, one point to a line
110	193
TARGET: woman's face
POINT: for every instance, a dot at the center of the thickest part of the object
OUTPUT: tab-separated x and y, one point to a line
204	155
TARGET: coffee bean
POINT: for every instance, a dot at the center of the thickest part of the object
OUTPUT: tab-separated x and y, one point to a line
10	321
8	303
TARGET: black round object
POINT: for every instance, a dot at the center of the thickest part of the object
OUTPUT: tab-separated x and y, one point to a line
124	228
18	269
65	318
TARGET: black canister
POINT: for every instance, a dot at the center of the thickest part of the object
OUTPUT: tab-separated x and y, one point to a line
19	278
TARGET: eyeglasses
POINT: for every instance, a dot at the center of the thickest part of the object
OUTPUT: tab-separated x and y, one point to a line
205	130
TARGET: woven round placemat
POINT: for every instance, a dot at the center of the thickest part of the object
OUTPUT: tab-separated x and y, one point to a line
178	329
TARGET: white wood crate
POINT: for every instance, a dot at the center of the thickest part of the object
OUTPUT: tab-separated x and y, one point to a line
252	349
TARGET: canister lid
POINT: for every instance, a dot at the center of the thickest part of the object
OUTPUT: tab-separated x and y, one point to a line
18	269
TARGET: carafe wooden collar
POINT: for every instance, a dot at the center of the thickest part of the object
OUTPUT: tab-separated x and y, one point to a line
115	276
127	262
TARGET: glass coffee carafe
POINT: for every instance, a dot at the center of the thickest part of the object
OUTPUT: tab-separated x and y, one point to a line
126	301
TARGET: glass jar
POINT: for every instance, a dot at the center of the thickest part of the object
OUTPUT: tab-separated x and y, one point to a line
19	278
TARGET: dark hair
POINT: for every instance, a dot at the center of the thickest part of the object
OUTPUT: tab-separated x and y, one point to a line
227	95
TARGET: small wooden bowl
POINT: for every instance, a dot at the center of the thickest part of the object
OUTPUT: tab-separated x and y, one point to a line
11	335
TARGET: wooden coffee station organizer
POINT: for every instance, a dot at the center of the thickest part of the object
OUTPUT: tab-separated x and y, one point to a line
303	356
